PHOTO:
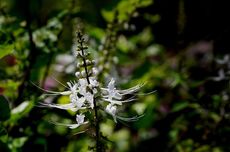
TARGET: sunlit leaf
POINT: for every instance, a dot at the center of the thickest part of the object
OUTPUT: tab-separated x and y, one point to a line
21	110
144	3
108	15
6	46
5	49
18	142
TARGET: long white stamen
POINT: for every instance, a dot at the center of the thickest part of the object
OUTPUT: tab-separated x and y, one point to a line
59	82
52	92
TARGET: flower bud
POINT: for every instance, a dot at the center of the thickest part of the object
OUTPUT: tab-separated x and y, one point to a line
83	73
126	26
93	62
79	65
90	86
77	74
88	62
95	71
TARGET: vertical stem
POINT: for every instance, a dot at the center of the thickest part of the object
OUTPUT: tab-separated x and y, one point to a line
96	121
31	57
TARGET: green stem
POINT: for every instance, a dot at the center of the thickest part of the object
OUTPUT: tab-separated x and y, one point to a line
96	121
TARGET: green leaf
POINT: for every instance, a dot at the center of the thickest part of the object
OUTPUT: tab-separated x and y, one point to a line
6	46
145	3
179	106
108	15
4	109
15	144
5	49
19	142
21	110
3	134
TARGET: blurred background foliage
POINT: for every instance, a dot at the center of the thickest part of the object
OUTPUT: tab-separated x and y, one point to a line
179	48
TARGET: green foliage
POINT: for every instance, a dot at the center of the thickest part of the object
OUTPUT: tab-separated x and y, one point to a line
189	112
3	134
5	49
21	111
6	46
4	109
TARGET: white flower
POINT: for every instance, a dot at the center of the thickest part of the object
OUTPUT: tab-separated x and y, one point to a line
112	91
221	76
115	96
93	82
89	97
82	86
75	104
76	101
80	121
111	109
73	87
225	60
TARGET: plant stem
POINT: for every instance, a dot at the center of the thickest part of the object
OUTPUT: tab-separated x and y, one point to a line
31	58
96	121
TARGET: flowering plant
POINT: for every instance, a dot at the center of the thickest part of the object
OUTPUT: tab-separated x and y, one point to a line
87	94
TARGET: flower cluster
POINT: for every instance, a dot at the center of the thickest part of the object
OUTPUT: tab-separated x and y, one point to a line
223	68
116	97
86	94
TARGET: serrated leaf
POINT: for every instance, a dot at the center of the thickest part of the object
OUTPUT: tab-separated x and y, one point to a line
4	109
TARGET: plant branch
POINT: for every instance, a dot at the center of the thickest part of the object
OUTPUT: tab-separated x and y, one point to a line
96	120
31	57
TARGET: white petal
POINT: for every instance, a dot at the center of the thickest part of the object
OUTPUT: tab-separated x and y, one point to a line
89	97
65	93
111	85
80	102
52	92
113	101
80	118
131	90
71	126
93	82
110	108
129	100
